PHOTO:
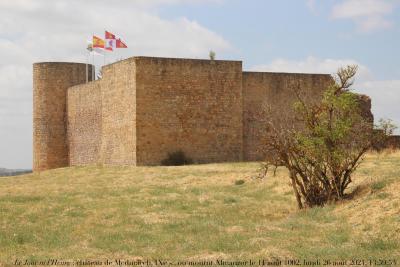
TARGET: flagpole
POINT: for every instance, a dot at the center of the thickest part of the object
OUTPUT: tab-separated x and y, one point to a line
87	65
104	50
93	69
92	54
91	63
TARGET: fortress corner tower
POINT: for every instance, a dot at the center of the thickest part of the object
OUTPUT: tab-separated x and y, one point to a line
50	83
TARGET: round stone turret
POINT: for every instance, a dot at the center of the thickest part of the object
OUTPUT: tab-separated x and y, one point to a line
51	81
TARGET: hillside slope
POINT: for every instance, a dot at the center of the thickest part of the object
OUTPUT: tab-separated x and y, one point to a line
194	212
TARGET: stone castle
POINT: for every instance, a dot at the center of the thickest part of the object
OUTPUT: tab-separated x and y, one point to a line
146	107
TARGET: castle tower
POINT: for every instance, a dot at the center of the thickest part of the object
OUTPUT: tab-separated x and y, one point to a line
51	81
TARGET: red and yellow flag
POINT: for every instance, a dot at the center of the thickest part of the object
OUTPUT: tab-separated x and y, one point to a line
97	42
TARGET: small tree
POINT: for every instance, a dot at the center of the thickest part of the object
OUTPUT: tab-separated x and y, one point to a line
212	55
325	143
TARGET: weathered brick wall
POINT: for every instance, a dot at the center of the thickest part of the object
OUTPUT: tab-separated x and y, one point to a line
262	89
365	105
84	123
393	142
50	84
118	139
189	105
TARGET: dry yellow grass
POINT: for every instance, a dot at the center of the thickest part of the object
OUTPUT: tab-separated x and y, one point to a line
194	213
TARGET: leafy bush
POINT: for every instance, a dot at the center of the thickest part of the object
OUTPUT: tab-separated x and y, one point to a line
177	158
324	142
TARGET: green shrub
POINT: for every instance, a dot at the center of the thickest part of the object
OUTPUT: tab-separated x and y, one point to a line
177	158
325	143
239	182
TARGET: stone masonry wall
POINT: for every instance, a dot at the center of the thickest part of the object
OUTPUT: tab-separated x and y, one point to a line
144	108
50	83
84	123
118	139
189	105
260	90
393	142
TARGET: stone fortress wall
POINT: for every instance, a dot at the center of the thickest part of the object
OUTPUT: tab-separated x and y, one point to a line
189	105
84	120
146	107
263	90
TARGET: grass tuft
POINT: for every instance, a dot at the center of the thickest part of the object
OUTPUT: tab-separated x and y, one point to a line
380	244
378	185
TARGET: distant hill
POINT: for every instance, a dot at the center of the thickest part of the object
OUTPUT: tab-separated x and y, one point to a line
12	172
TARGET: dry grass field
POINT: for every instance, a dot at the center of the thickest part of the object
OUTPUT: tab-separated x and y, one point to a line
195	213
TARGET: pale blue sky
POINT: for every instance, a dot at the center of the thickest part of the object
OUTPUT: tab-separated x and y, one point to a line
263	30
267	35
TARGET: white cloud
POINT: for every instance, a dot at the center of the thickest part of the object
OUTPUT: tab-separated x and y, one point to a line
385	94
373	24
313	65
311	4
361	8
48	30
24	5
369	15
385	97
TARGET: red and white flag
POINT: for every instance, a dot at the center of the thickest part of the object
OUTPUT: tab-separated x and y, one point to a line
109	41
120	44
110	44
109	35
